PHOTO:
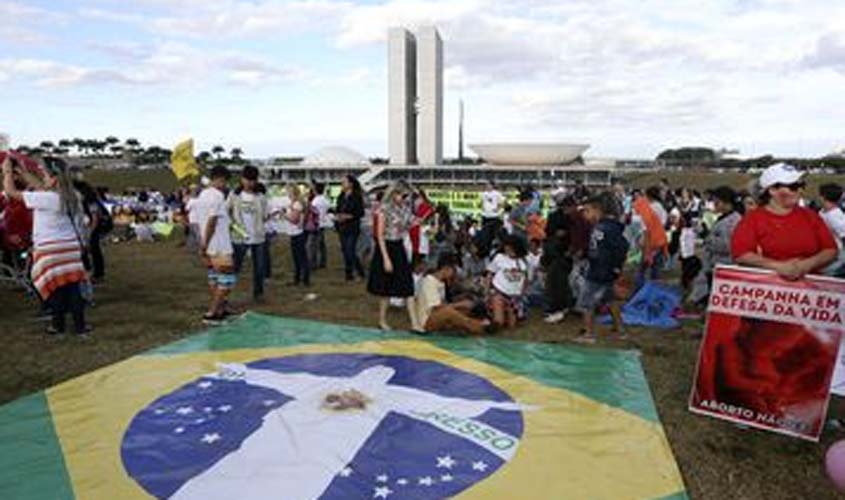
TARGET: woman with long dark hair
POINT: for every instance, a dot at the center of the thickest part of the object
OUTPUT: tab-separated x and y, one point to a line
348	214
57	269
390	271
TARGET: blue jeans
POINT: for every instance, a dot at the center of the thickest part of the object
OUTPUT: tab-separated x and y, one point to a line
650	272
259	271
268	261
349	246
302	271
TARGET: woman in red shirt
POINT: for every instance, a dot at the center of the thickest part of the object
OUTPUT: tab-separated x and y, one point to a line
780	235
773	368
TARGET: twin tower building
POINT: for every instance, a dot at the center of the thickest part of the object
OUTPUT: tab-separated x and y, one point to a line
415	101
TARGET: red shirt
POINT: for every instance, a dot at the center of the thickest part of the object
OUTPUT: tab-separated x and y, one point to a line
797	235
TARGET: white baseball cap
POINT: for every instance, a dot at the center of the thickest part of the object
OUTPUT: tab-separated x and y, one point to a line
780	173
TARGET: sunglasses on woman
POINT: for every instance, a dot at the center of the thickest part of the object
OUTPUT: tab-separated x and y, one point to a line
795	186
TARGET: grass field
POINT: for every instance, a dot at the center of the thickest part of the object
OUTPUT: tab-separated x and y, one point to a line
155	294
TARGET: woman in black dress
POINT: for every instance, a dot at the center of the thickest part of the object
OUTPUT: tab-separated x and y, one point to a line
390	271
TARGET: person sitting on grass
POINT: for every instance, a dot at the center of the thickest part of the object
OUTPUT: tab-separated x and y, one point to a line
606	256
434	314
508	275
216	245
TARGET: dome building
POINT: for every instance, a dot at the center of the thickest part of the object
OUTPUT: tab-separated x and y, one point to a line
334	156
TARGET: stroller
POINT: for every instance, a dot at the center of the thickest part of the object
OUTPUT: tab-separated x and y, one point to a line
15	272
15	244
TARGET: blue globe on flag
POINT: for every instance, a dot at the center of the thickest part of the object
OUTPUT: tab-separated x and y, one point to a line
333	426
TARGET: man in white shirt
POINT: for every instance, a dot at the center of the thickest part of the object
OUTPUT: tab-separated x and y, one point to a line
492	206
216	244
834	218
248	209
320	205
434	314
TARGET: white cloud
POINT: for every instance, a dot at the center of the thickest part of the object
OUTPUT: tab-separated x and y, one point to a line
248	19
24	24
531	68
166	63
829	52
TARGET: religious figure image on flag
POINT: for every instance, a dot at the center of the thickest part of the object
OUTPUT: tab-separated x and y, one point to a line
769	350
269	407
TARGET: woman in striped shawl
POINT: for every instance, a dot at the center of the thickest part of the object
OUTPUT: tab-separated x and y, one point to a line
57	269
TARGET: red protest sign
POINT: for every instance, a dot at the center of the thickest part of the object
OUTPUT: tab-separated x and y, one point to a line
769	350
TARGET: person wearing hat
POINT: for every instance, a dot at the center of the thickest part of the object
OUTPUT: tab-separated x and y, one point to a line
780	235
57	270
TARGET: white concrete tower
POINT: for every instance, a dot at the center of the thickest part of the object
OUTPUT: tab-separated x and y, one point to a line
429	96
402	94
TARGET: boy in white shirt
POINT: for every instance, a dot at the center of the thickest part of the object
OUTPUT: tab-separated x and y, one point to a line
216	245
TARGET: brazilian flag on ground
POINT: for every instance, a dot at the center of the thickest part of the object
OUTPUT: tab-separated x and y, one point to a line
276	408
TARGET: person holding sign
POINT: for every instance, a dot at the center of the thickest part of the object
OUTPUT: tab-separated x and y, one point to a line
780	235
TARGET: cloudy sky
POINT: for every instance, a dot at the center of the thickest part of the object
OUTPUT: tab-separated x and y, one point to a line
631	77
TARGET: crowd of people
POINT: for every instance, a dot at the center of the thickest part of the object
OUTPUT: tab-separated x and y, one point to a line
562	253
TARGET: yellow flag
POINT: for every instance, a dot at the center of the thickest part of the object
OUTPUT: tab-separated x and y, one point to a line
182	160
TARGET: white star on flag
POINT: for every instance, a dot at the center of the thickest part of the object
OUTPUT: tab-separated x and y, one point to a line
160	411
224	408
402	481
346	472
269	402
446	478
447	462
381	478
185	410
179	430
382	492
199	421
479	466
211	438
425	481
208	409
204	384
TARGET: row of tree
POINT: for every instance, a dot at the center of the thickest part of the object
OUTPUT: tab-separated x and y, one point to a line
130	150
698	157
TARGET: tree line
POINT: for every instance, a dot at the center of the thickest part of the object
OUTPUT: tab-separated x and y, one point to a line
699	157
129	150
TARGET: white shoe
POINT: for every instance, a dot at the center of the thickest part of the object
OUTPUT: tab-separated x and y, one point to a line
556	317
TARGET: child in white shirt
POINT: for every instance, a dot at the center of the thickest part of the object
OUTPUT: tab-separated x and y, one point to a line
508	275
